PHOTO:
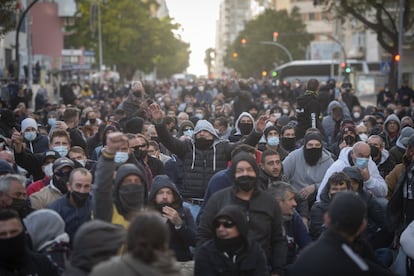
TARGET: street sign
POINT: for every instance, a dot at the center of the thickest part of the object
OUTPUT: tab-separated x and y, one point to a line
385	67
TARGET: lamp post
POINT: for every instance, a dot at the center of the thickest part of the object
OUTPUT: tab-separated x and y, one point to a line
17	38
96	7
279	46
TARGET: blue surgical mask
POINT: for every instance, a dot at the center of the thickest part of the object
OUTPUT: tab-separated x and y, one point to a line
273	141
188	133
62	150
199	116
361	162
30	135
51	121
121	157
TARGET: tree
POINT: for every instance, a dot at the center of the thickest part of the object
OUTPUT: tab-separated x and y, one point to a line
132	38
381	16
8	9
249	57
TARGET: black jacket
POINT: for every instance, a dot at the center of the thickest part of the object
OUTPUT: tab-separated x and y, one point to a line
181	239
307	104
200	165
333	255
264	220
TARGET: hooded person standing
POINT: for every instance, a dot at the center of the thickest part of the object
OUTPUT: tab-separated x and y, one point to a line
260	208
242	127
118	199
166	199
202	156
230	252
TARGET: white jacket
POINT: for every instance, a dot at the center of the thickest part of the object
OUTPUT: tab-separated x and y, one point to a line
375	184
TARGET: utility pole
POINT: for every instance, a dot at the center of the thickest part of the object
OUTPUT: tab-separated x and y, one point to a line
400	43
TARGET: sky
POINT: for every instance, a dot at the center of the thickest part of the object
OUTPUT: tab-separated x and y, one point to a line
198	22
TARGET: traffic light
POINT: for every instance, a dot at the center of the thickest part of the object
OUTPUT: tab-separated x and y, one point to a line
235	55
397	58
274	74
275	36
264	73
343	65
348	70
243	41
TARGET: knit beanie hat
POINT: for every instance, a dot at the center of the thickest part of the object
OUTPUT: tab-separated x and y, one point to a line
312	136
270	128
243	156
134	125
28	122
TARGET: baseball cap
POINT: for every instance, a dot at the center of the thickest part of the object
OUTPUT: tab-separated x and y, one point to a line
49	153
61	163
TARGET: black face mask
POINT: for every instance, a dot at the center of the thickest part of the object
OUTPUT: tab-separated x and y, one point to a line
92	121
349	140
203	144
140	154
231	245
21	206
60	184
131	197
246	183
374	152
245	128
312	155
288	143
79	198
13	251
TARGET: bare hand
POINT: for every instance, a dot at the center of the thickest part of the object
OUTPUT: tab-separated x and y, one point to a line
156	112
172	215
61	125
261	123
17	140
114	141
365	173
307	191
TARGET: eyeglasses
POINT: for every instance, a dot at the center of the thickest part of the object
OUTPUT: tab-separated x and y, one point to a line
225	223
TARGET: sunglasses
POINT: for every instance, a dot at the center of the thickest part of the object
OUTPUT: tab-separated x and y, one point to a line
225	223
137	147
62	174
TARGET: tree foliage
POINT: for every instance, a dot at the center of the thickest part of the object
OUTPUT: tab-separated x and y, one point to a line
251	58
132	39
8	16
382	17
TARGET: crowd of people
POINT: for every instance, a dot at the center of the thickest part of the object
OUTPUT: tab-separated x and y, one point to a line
206	177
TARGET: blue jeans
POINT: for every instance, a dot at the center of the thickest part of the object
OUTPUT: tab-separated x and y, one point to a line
194	209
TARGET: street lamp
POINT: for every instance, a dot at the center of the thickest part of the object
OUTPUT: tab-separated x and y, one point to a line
279	46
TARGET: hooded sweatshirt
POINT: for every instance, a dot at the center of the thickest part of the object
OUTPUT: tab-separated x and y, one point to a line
96	241
329	124
184	237
237	135
388	140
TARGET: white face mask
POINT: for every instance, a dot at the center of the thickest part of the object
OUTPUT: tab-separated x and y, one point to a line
357	115
121	157
82	162
62	150
188	133
48	170
363	137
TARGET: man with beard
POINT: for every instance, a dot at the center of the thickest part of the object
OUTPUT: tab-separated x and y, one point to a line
360	156
165	198
15	256
61	169
260	208
202	156
75	207
305	167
